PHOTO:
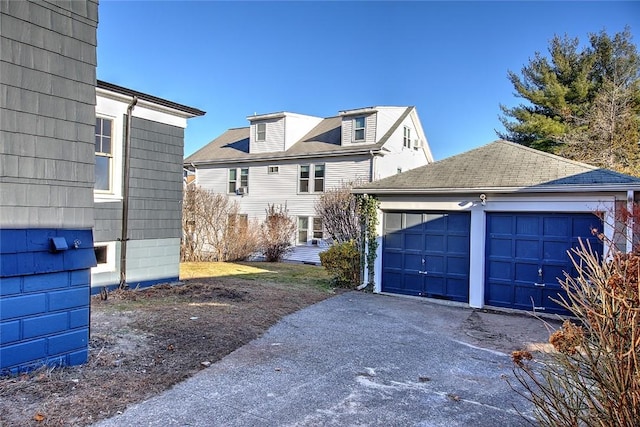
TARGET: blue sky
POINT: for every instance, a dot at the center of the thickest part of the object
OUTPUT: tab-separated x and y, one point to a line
234	59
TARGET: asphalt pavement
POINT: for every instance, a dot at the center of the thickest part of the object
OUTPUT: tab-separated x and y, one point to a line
358	359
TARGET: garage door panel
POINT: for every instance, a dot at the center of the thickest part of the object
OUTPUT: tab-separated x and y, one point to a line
435	264
500	270
527	248
501	247
554	226
458	244
527	226
393	221
556	251
393	241
413	261
434	286
435	243
435	222
540	242
394	260
432	242
457	265
413	241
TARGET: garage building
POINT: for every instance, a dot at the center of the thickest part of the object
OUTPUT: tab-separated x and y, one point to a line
492	226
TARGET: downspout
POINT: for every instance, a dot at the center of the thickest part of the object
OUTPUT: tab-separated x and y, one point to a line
372	166
125	197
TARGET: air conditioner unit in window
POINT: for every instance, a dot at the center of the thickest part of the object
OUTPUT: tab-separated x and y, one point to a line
241	191
417	144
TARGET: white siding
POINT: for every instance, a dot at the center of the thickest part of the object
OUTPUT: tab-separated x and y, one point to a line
274	141
282	188
297	126
400	157
370	130
387	116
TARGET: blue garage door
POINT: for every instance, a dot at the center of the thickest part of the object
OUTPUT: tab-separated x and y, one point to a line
527	253
426	254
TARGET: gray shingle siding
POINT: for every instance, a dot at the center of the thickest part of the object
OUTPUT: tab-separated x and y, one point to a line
47	103
155	191
156	180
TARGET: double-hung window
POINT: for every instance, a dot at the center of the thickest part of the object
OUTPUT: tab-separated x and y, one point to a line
304	178
261	132
309	183
318	178
104	154
318	230
238	180
406	142
359	124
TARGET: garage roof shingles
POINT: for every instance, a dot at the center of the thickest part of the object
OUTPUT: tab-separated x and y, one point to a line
500	165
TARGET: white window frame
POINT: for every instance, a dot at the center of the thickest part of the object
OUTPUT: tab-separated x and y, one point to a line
406	139
239	181
110	265
357	128
315	230
301	230
273	170
114	110
311	179
261	132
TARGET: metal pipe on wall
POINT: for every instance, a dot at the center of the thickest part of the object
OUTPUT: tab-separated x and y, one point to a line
125	196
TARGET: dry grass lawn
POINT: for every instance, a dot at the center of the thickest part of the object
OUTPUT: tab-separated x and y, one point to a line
144	341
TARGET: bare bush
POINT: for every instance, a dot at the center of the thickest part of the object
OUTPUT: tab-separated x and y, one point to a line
277	233
592	378
338	209
212	230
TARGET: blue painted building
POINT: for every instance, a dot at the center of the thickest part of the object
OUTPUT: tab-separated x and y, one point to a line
47	111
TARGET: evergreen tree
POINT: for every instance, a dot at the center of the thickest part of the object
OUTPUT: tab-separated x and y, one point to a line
581	103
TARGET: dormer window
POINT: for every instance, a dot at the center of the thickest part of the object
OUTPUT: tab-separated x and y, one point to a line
358	128
261	132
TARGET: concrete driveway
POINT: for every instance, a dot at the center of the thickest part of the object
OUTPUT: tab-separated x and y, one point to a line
358	360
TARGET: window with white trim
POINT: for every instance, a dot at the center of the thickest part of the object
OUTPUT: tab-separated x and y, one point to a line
318	178
311	178
359	125
273	170
261	132
105	257
104	155
318	229
406	141
238	180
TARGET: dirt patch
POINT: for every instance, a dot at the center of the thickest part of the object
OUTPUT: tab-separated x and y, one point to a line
143	342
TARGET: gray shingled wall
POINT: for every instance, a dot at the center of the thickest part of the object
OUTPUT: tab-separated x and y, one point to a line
155	186
47	113
156	180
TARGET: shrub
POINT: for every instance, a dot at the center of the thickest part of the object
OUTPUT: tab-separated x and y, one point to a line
276	233
342	261
592	378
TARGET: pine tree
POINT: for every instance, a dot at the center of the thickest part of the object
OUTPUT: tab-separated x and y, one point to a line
582	104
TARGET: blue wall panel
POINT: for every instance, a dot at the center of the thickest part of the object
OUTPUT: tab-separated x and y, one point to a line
44	298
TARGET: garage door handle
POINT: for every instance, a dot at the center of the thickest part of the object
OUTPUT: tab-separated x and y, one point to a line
540	285
422	272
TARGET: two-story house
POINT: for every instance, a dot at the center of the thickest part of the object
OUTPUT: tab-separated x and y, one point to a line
290	159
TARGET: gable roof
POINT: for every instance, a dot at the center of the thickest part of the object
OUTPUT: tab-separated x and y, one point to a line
324	140
501	166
